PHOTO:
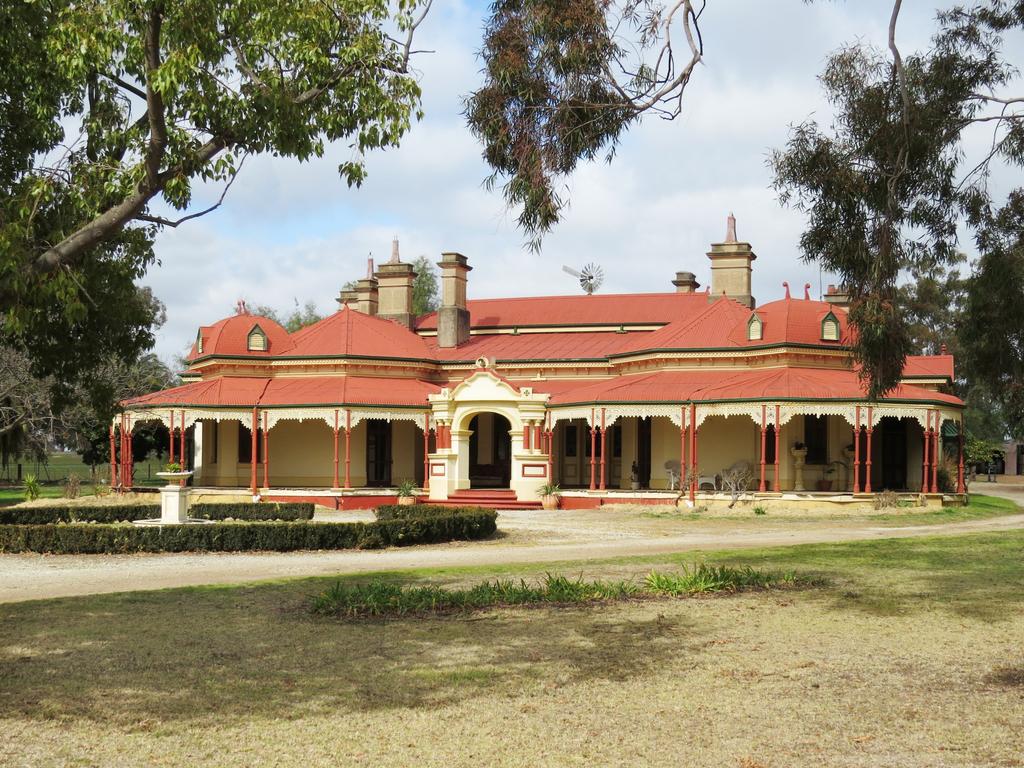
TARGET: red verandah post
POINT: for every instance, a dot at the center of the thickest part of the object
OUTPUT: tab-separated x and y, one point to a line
266	452
593	449
867	473
926	440
856	452
764	441
693	452
348	448
936	449
426	451
181	443
336	476
778	430
604	447
252	451
683	474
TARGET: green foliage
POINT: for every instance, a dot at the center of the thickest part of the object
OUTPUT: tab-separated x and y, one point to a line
166	95
407	489
549	489
87	539
384	599
300	317
883	189
172	466
546	102
417	511
992	330
106	513
759	510
980	451
261	511
702	578
31	488
425	291
946	477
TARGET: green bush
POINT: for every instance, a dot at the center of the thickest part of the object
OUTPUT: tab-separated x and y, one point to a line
945	476
417	511
243	536
107	513
251	511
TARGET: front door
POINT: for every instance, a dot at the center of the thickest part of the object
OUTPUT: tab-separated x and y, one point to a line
378	453
893	433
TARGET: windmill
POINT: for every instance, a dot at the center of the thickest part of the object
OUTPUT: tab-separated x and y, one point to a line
590	277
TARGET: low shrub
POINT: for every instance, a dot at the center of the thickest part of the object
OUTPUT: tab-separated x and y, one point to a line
106	513
714	578
72	486
252	511
379	598
32	488
417	511
243	536
886	500
760	511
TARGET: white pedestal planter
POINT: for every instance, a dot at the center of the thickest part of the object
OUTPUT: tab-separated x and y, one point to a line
799	457
174	498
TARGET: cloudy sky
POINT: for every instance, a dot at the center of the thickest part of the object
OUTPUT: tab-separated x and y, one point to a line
291	232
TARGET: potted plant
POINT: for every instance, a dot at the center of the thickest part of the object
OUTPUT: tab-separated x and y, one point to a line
174	471
407	493
549	494
825	483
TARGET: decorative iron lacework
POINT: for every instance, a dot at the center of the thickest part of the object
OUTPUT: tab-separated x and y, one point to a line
274	415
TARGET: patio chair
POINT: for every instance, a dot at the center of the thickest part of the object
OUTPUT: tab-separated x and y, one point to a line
673	470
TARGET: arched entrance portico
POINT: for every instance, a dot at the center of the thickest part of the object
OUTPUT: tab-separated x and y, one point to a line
490	451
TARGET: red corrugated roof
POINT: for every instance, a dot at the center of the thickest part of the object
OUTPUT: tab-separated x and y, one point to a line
580	345
225	390
349	332
312	390
578	309
929	365
766	384
230	336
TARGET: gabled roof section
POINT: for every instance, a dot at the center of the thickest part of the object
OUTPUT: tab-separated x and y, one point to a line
929	366
353	333
577	310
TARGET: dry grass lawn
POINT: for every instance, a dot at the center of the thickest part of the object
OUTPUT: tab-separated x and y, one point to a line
911	656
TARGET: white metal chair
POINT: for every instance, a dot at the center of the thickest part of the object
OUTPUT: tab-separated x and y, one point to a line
673	470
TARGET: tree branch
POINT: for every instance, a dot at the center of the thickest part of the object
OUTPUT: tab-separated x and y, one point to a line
164	222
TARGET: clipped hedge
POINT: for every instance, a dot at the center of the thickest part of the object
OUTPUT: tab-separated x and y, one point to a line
243	536
417	511
106	513
252	511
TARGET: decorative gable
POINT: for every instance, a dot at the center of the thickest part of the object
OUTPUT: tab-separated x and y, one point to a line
830	327
755	327
256	340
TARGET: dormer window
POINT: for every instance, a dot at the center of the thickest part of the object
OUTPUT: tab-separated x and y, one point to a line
199	341
755	328
830	328
257	341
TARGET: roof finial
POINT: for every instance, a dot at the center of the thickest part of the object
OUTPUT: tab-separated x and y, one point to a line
786	286
807	291
369	266
241	308
394	251
730	229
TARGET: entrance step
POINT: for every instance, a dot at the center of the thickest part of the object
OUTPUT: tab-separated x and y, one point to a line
487	498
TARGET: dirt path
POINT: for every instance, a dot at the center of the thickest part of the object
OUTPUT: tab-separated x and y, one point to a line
530	537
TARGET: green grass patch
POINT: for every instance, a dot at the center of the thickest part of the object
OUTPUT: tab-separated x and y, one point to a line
379	598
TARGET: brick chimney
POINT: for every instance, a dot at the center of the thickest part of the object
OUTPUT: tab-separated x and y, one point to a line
453	316
730	267
686	282
838	297
366	291
395	280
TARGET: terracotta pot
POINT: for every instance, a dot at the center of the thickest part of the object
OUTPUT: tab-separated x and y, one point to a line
406	501
824	485
549	502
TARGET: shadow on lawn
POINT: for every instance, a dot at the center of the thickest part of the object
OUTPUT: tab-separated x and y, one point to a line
133	659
